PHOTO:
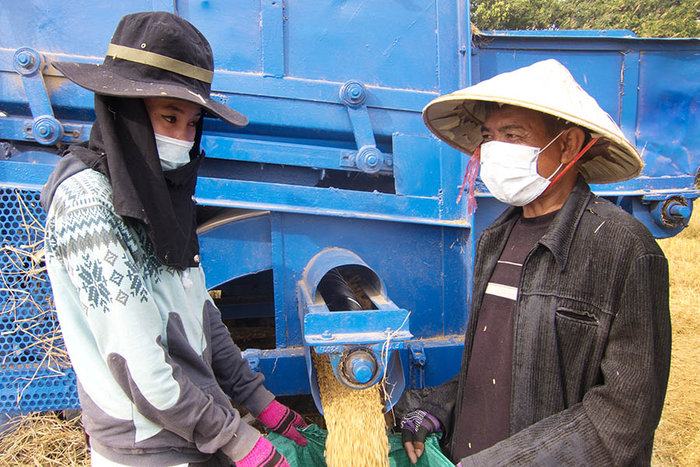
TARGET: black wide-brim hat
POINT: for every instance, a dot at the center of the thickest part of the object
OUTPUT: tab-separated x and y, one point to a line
154	54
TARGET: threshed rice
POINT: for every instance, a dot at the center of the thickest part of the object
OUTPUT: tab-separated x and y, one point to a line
354	419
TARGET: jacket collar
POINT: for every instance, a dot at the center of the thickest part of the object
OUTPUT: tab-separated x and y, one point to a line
560	233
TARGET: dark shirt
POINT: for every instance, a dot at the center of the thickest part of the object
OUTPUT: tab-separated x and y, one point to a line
485	413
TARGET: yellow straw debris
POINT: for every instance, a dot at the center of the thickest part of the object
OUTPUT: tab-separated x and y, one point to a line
677	440
44	439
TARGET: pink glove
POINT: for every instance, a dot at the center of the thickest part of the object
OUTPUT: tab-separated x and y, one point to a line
263	454
283	420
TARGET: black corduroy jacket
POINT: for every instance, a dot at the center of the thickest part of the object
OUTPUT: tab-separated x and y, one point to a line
592	340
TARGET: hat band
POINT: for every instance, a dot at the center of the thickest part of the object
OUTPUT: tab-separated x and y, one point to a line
160	61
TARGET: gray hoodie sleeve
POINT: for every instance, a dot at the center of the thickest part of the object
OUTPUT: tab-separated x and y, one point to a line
232	371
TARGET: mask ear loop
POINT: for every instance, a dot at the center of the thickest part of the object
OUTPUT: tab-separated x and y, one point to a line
469	180
544	148
553	140
573	161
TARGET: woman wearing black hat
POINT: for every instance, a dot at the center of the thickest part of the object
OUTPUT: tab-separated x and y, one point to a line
154	362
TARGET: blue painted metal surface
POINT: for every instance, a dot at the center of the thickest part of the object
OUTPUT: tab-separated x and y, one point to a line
336	155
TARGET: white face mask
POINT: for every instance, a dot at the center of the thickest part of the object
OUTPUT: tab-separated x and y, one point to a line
172	152
510	172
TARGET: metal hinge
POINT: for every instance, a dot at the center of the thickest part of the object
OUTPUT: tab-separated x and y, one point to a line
368	158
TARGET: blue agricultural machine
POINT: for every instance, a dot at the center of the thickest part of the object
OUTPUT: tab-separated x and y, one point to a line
335	179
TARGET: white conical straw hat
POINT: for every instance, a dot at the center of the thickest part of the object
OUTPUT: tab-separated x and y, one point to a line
547	87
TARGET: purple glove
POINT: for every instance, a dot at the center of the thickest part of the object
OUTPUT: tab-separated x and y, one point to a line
416	425
263	454
283	420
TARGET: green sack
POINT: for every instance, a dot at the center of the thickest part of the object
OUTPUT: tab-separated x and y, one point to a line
312	454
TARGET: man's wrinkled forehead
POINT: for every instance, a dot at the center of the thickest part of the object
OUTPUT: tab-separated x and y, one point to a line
492	108
510	117
519	118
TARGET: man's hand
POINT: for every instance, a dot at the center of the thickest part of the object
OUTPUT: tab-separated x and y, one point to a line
263	454
283	420
415	426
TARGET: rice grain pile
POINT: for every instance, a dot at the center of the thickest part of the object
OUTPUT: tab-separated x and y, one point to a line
44	439
354	419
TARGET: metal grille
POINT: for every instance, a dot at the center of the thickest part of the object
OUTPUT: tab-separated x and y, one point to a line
35	372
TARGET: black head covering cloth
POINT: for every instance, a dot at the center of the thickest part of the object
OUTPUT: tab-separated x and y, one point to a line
122	147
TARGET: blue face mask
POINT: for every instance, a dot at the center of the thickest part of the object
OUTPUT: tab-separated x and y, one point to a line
173	153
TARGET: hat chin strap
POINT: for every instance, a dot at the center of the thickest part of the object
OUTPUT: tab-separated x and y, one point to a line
571	163
155	60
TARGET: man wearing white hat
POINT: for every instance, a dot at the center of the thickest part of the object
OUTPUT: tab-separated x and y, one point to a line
567	349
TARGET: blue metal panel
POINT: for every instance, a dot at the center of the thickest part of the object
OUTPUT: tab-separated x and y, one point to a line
278	255
333	41
669	125
443	358
284	370
418	171
73	28
344	203
238	247
272	23
338	327
30	176
629	91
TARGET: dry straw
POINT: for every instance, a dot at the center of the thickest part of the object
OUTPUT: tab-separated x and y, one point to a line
677	439
44	440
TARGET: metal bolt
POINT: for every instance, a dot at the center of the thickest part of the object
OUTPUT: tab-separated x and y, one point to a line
369	159
352	93
679	210
327	334
25	59
372	160
362	369
43	130
46	129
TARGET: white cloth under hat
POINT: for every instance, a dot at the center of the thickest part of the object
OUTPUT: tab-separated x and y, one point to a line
547	87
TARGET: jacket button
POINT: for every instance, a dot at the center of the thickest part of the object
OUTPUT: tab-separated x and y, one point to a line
196	259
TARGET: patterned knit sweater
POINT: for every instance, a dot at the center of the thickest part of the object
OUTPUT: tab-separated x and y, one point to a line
154	361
